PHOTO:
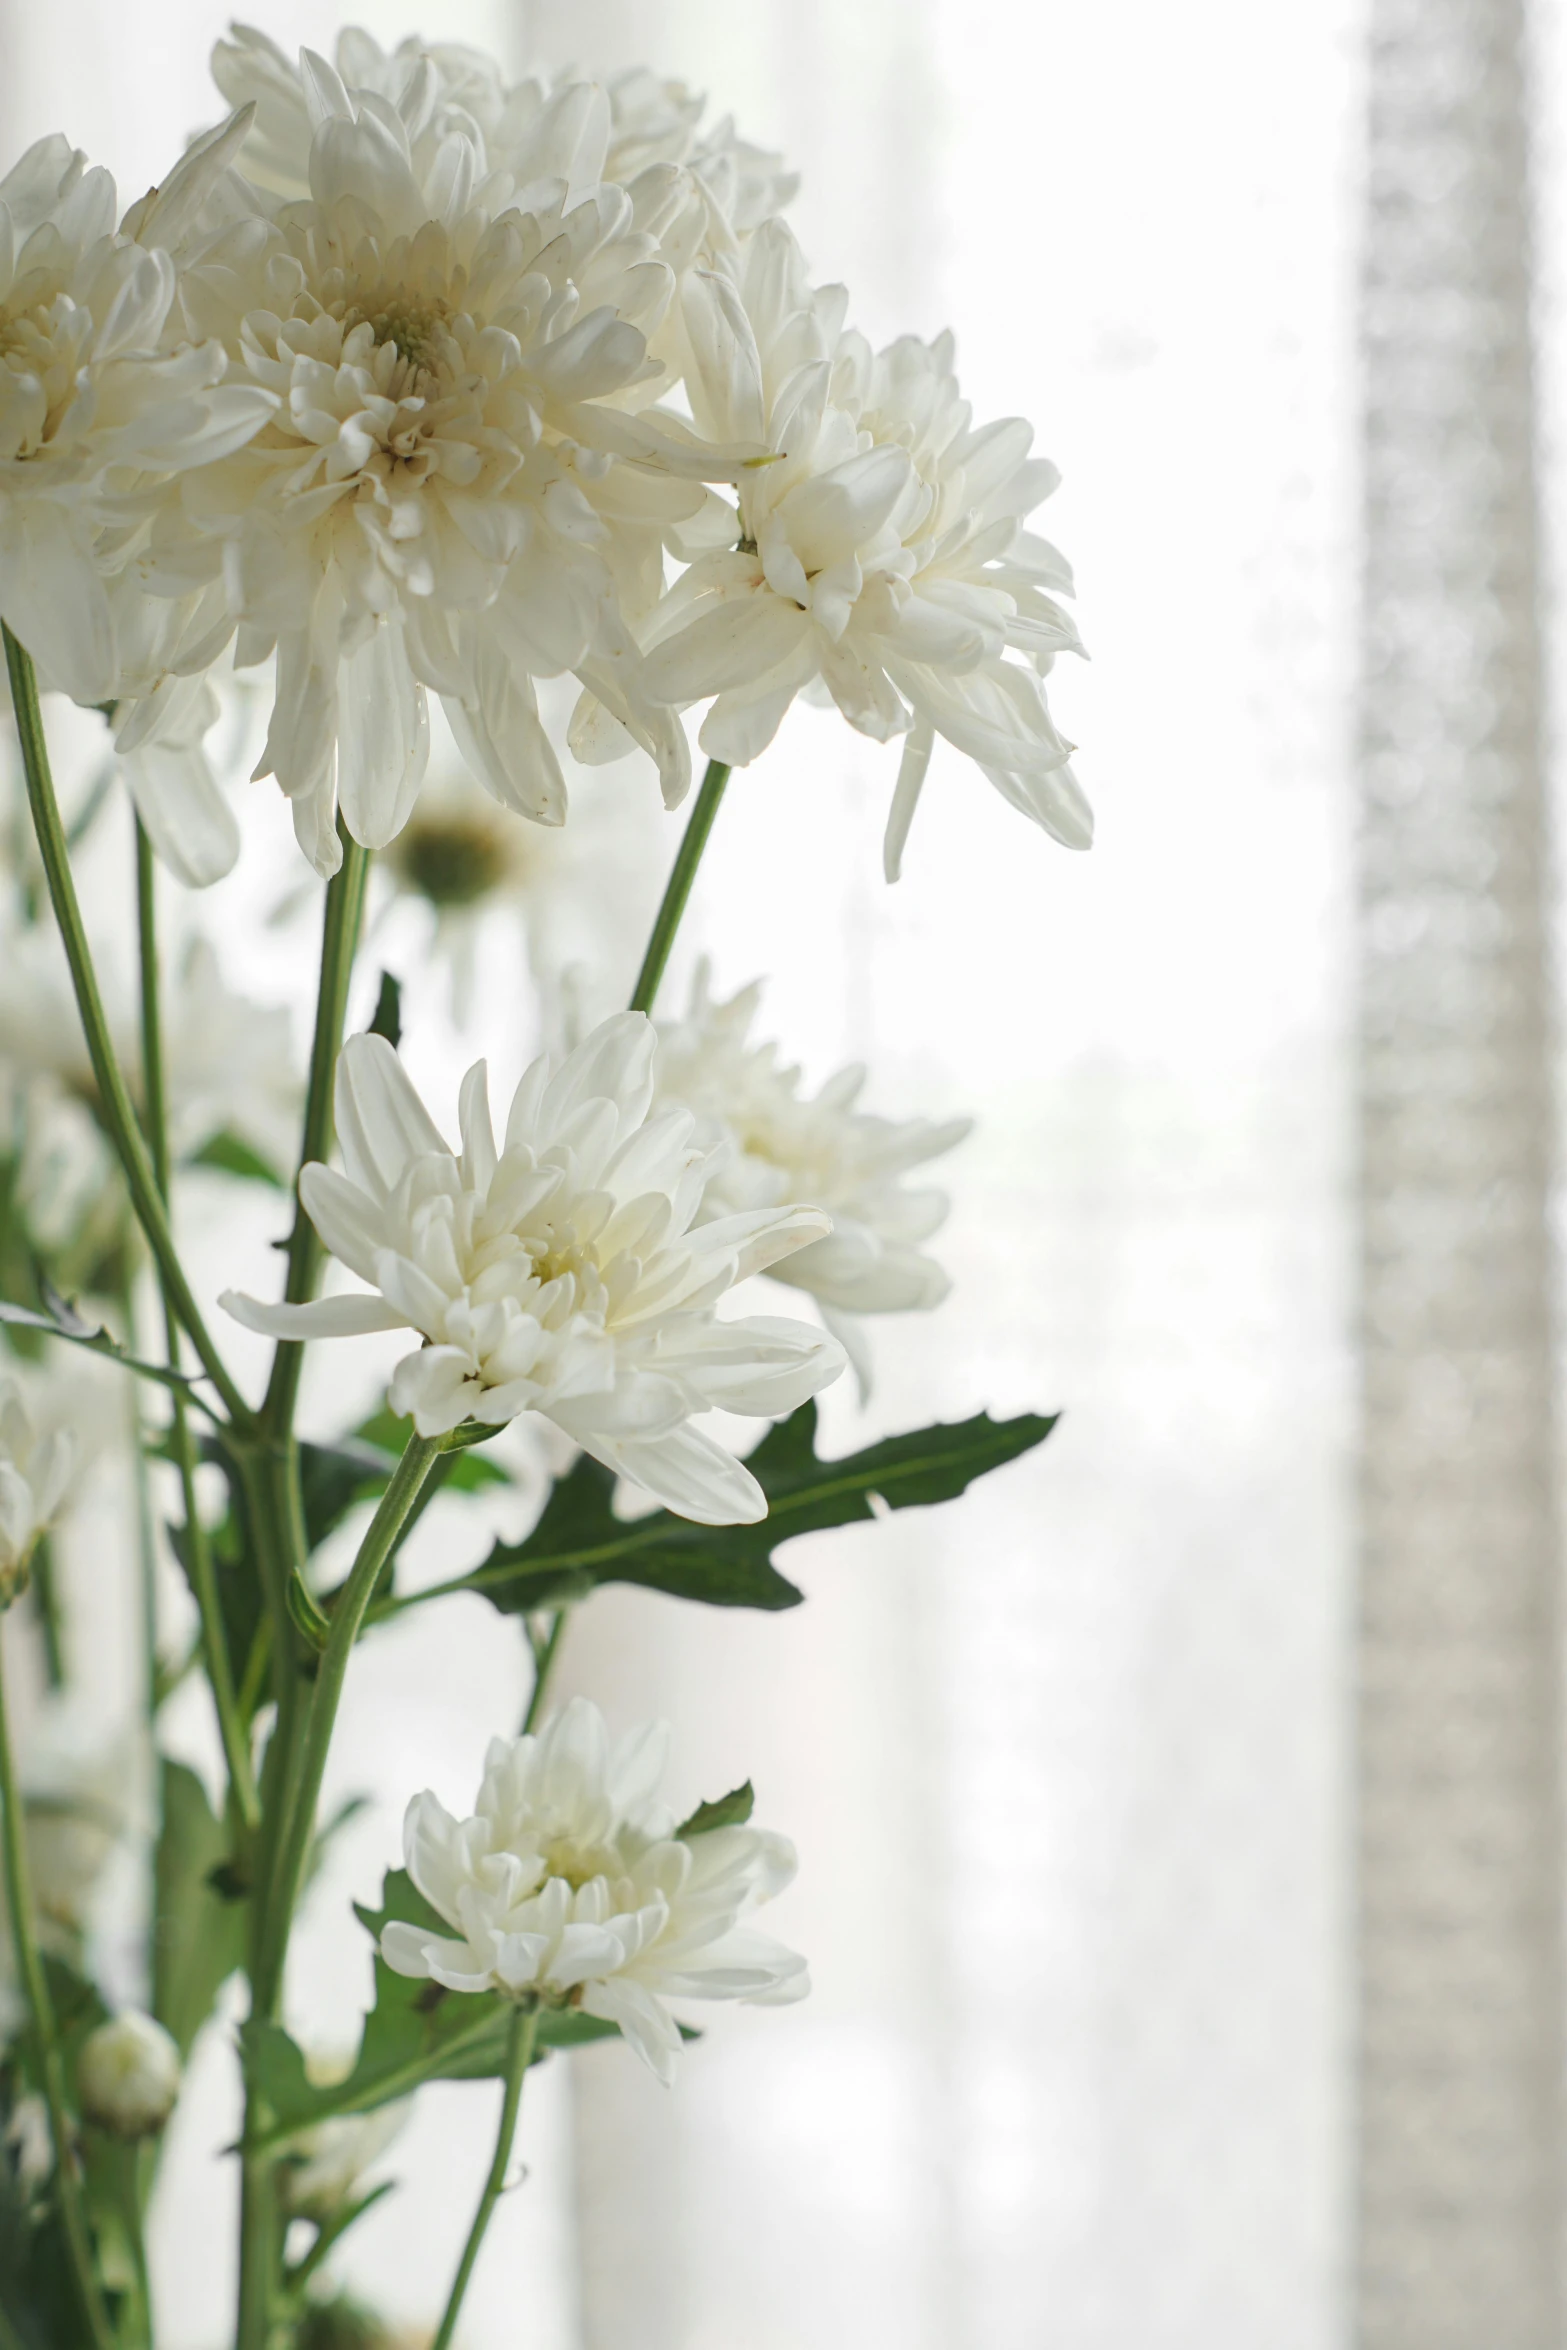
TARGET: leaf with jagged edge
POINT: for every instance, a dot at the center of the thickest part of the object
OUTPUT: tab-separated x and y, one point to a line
579	1543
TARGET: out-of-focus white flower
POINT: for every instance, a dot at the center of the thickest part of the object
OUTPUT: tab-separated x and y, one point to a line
880	556
818	1150
570	1887
323	2166
128	2075
102	404
83	1797
29	2143
574	899
229	1063
439	502
35	1476
565	1273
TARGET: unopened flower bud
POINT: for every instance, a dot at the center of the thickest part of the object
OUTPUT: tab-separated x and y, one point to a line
128	2075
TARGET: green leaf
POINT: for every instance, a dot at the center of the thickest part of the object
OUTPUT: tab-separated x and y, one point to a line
198	1934
232	1155
460	1469
388	1021
579	1543
730	1811
63	1321
415	2032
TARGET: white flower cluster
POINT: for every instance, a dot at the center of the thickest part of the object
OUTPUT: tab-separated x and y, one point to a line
571	1887
564	1272
409	381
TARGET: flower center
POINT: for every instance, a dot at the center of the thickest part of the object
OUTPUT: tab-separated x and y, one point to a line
412	327
452	860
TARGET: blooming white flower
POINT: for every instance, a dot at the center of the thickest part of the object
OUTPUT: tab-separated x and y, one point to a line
565	1273
570	1886
103	402
128	2075
35	1476
437	503
323	2166
880	556
819	1150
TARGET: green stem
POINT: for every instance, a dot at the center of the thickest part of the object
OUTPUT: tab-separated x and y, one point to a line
200	1569
678	888
291	1791
114	1102
19	1899
44	1588
418	1457
543	1665
340	921
519	2055
146	1540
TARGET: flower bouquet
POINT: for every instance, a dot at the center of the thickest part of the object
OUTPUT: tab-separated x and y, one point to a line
409	383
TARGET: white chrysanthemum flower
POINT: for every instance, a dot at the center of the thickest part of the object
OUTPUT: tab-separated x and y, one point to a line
323	2167
570	1887
102	403
434	505
881	554
818	1150
578	131
36	1467
128	2075
564	1273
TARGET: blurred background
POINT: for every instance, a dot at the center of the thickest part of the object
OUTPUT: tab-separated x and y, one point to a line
1179	1815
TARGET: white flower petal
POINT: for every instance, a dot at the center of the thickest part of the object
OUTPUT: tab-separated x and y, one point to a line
344	1316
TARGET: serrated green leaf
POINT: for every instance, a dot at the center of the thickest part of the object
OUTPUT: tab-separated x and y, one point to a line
415	2032
730	1811
198	1933
232	1155
579	1543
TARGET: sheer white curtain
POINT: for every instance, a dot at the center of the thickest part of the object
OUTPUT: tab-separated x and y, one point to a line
1068	1764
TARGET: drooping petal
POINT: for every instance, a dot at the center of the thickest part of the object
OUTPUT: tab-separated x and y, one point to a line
344	1316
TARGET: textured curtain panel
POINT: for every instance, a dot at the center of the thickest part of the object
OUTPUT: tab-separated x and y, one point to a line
1460	1722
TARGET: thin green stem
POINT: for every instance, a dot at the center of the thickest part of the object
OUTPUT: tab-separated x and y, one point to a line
291	1789
418	1457
45	1593
519	2055
29	1966
678	887
340	923
114	1102
146	1539
543	1665
198	1549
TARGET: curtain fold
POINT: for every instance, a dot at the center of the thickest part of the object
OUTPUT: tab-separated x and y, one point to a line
1460	1877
